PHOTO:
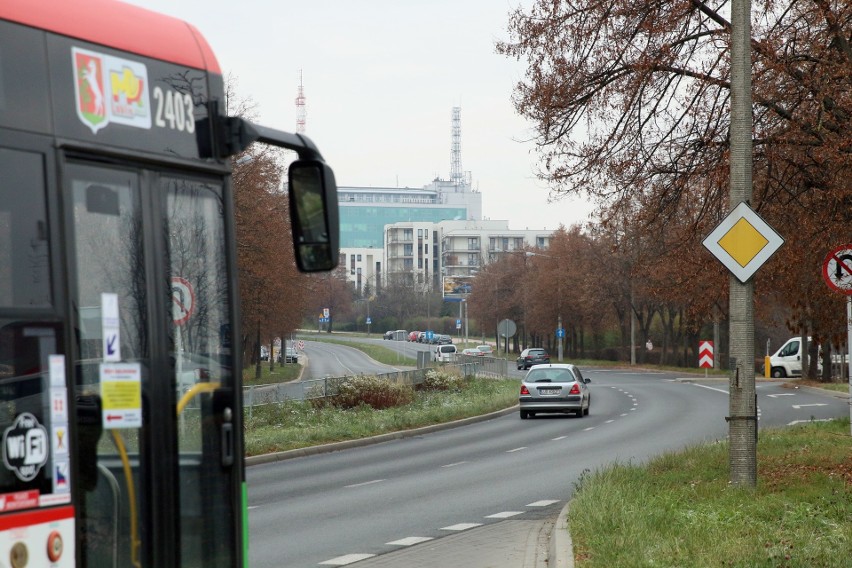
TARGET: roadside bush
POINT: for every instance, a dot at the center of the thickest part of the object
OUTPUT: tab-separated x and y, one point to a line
370	391
442	380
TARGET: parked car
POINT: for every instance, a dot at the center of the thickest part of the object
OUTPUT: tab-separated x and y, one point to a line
532	356
290	355
441	339
421	337
445	353
264	353
485	350
388	335
471	352
558	387
413	335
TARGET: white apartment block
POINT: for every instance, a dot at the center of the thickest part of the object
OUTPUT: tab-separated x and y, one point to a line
436	255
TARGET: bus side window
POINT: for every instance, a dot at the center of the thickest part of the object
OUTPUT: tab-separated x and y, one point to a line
24	250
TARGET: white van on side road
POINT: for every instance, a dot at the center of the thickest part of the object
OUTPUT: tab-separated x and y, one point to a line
787	361
445	353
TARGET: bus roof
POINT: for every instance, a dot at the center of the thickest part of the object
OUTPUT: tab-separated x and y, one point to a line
117	25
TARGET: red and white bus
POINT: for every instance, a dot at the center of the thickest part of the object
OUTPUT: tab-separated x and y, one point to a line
120	400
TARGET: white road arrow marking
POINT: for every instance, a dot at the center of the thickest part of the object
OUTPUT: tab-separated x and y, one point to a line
806	405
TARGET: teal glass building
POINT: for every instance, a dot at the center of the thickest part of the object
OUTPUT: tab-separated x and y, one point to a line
364	212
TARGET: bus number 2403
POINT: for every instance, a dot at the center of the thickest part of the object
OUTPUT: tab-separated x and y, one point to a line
174	110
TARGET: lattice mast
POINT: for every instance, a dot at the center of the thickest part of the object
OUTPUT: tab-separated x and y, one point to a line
456	174
301	113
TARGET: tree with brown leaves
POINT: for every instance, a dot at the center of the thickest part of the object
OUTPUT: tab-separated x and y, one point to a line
631	103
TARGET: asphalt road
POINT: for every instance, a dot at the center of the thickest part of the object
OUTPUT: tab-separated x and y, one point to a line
333	360
370	500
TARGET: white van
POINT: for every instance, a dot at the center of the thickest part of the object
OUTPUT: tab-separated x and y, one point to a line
787	361
445	353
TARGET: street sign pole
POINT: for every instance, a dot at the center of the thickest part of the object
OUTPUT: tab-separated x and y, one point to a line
742	415
849	353
837	272
559	327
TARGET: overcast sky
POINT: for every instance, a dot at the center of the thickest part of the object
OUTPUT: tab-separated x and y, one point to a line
381	78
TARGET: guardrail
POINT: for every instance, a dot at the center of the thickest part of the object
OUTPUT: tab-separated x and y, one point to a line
259	395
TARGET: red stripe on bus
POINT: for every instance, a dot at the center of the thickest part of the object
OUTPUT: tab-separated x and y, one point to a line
117	25
35	517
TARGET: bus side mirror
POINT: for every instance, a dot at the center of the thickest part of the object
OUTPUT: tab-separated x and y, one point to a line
314	215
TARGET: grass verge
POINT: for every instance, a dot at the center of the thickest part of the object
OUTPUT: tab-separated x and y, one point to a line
376	352
680	510
836	387
299	424
279	374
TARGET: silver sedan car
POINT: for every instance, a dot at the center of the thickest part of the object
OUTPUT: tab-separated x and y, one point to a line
554	388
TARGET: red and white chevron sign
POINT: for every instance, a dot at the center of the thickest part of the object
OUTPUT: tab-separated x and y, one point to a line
705	354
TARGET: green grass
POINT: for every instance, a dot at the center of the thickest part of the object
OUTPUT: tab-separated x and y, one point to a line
836	387
681	511
377	352
280	374
298	424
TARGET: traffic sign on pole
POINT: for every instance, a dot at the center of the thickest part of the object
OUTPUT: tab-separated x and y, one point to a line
705	354
743	242
837	269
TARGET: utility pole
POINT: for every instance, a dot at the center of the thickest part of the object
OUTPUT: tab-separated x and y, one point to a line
742	419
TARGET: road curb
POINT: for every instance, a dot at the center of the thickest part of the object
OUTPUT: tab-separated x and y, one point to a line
337	446
561	553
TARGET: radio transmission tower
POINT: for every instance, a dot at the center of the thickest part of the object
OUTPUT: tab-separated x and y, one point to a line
456	175
301	114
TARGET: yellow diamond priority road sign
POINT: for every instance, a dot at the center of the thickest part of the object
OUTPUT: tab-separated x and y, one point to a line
743	242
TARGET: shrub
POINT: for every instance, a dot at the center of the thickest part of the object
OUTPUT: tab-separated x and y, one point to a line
442	380
371	391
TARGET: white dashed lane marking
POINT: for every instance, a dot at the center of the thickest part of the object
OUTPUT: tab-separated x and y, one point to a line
461	527
365	483
346	560
504	515
409	541
543	503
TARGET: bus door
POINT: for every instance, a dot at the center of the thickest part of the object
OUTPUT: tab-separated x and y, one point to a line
152	311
